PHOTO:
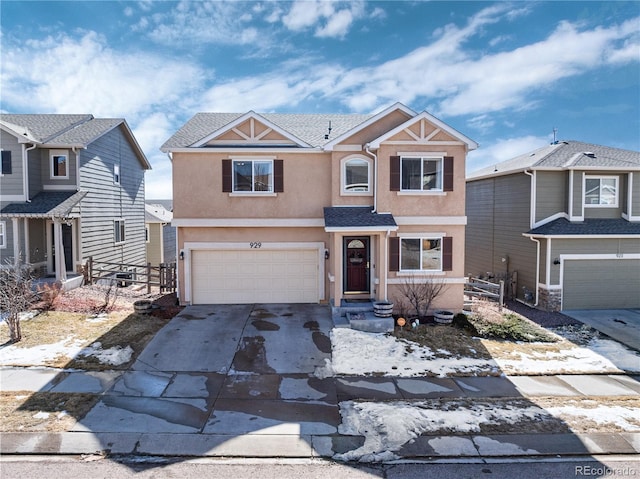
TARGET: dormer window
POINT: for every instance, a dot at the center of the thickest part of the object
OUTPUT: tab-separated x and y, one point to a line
59	160
601	191
356	176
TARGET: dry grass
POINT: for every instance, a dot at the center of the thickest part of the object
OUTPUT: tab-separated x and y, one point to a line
43	412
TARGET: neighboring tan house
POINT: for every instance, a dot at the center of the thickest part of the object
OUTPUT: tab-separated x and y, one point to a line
566	219
72	186
161	236
308	208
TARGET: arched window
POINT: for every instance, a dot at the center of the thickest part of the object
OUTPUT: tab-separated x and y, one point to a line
356	176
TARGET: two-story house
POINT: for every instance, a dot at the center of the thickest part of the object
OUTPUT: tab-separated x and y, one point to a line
566	219
308	208
71	187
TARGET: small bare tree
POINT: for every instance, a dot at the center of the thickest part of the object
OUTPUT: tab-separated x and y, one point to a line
420	292
16	295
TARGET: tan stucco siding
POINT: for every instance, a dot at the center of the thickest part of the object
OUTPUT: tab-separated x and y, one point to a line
376	129
198	188
450	203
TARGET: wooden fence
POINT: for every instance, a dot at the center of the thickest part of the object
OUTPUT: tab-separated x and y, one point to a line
163	275
485	289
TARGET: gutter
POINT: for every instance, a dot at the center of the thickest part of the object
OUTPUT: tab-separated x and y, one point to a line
374	183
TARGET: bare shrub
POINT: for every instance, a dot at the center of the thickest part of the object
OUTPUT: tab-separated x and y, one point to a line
16	295
48	296
420	292
110	297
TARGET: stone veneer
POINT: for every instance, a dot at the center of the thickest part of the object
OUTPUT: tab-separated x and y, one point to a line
550	299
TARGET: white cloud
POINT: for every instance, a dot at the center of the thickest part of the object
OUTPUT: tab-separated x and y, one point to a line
202	22
502	150
68	74
329	19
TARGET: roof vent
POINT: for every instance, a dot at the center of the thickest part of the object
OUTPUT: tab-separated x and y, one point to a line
590	154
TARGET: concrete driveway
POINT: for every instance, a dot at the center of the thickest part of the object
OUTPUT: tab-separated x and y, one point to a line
623	325
227	369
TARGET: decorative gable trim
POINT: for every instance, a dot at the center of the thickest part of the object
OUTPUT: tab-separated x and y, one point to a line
423	136
252	138
330	146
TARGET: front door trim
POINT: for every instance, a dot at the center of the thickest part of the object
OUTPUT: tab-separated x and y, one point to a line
356	264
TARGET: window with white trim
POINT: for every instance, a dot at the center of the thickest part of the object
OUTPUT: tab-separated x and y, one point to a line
3	234
116	174
356	176
421	254
59	161
420	173
252	176
118	231
601	191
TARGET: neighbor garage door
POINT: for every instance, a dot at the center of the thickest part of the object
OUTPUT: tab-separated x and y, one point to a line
254	276
601	284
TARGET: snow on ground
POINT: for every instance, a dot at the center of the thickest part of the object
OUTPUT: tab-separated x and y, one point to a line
379	353
387	426
15	355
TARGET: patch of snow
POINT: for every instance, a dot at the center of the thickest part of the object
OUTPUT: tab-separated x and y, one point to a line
387	426
114	356
13	354
382	354
487	445
41	415
627	418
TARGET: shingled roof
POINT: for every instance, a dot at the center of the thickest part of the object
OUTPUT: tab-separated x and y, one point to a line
46	204
564	155
310	128
357	217
590	227
65	130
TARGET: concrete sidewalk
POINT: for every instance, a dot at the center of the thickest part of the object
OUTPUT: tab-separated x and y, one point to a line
292	427
238	381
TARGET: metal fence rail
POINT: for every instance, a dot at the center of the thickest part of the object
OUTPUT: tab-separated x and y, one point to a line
163	275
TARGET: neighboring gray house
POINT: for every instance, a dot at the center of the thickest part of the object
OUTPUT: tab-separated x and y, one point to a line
566	219
161	236
71	187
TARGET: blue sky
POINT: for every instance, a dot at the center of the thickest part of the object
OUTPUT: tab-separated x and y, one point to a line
502	73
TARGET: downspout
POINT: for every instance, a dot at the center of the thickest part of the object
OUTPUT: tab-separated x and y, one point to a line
375	177
537	242
531	223
25	158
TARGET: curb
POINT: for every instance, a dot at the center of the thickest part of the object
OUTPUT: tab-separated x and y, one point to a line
314	447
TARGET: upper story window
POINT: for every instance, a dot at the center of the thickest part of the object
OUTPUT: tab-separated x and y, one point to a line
421	174
421	254
116	174
3	234
59	163
118	231
601	191
356	176
253	176
6	162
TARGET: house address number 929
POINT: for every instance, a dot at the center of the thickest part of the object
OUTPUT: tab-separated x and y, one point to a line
255	244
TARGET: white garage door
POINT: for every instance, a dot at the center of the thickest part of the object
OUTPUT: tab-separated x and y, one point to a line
254	276
601	284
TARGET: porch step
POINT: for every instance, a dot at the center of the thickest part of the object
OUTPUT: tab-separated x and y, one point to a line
370	323
339	313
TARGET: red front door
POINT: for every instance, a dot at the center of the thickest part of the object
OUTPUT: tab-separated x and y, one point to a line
356	264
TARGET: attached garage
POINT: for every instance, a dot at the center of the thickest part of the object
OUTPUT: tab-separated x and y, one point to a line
267	274
601	284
